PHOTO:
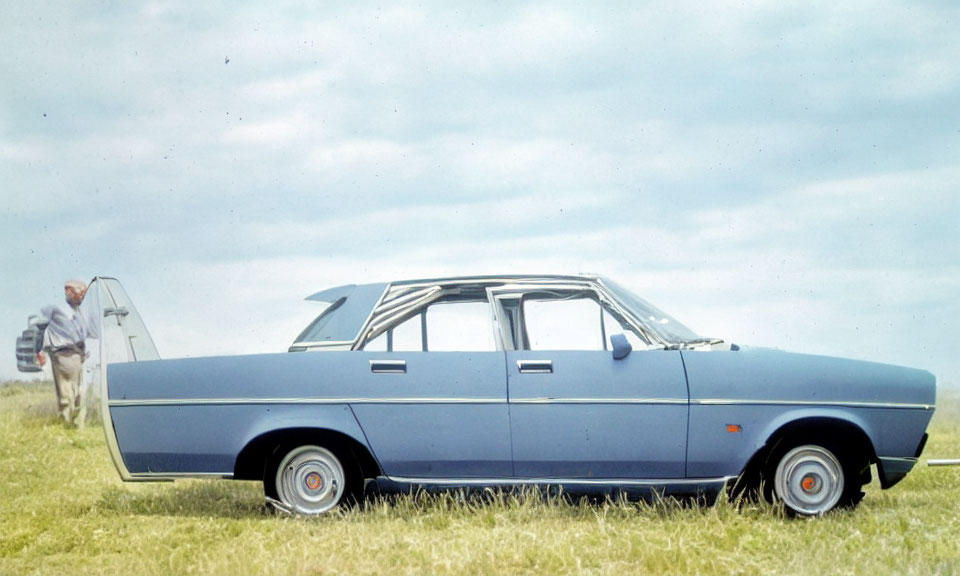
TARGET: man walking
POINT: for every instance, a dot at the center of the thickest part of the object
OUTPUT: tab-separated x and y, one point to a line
64	340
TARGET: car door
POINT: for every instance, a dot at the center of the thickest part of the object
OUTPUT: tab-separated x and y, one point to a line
437	405
578	413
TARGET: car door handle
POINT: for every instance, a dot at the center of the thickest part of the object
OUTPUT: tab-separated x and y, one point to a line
535	366
388	366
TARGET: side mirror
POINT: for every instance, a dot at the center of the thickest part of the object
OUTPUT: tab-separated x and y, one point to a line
621	346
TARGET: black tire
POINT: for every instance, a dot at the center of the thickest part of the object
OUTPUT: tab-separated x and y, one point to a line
310	479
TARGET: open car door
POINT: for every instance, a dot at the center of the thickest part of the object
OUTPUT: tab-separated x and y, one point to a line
117	334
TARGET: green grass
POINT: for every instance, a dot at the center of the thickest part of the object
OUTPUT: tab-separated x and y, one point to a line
63	510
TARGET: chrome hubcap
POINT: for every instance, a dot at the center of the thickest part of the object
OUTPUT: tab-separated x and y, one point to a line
310	480
809	480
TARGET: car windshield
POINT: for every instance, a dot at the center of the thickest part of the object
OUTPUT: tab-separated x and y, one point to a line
665	326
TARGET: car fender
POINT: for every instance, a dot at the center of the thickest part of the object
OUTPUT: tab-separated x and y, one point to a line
725	438
334	426
797	416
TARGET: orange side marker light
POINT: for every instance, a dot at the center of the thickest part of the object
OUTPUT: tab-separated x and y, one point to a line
734	428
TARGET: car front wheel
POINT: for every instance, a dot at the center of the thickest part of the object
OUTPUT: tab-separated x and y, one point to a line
811	480
308	480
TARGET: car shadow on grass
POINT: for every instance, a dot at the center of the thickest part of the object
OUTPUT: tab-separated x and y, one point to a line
193	498
187	498
232	499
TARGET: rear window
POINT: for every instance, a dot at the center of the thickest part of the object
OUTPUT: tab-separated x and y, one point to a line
315	331
342	320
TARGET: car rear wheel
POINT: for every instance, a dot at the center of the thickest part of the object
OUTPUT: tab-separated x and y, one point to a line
811	480
308	480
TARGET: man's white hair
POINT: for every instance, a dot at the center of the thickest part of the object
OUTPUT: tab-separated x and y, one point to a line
77	285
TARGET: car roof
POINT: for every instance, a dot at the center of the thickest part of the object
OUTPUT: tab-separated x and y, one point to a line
496	277
352	304
337	292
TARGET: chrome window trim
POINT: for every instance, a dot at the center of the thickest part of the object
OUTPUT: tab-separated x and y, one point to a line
324	344
382	322
399	298
605	298
403	298
651	337
405	288
539	281
387	316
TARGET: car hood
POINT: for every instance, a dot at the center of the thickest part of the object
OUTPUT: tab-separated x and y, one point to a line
769	375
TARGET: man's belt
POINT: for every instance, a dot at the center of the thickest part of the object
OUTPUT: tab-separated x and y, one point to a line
77	348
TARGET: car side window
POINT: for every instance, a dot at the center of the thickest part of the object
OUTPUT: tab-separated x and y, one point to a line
378	344
450	327
404	337
573	324
563	324
460	327
408	335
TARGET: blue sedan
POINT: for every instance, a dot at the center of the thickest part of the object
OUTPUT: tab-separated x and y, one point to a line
568	381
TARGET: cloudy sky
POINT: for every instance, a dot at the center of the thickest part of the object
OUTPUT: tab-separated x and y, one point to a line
781	174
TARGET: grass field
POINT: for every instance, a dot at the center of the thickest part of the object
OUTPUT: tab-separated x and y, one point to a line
63	510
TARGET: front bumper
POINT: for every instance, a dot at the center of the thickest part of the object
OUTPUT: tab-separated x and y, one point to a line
892	470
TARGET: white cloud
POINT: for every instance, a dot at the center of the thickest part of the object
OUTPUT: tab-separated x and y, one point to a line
270	132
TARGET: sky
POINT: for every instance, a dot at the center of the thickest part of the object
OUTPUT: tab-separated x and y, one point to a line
780	174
